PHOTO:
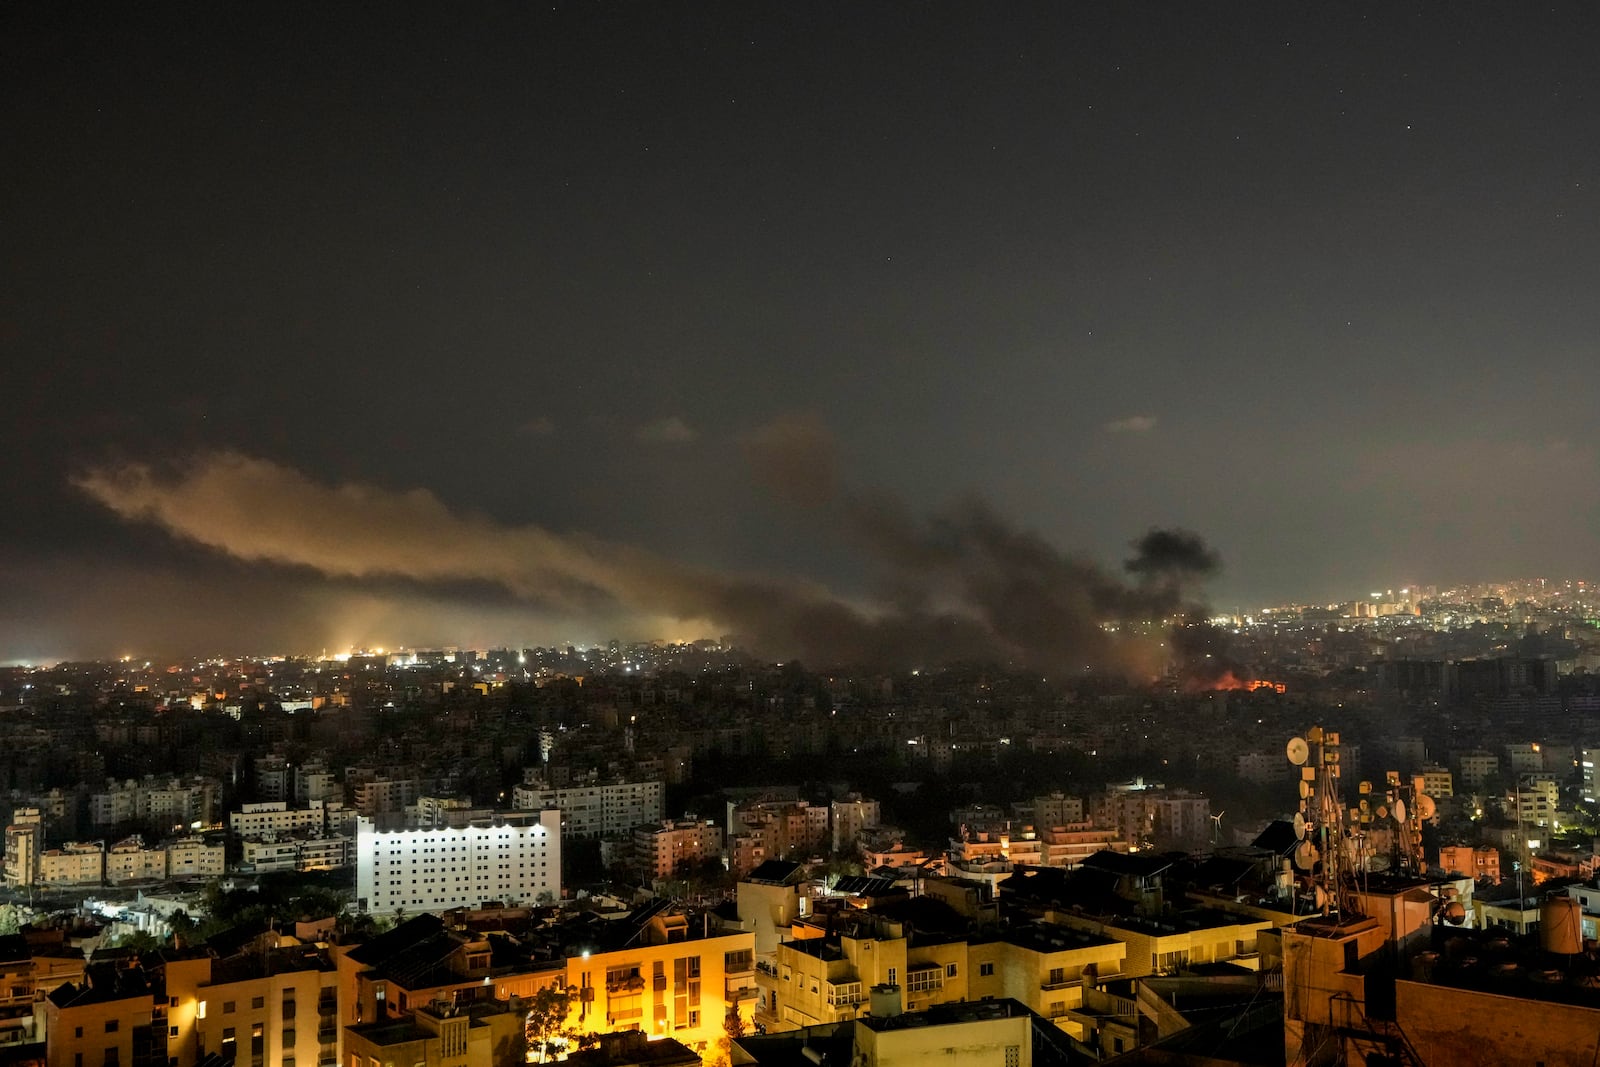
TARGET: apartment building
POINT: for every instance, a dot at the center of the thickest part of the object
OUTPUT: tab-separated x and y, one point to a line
596	809
849	817
267	1005
303	851
74	863
674	846
276	816
130	861
504	856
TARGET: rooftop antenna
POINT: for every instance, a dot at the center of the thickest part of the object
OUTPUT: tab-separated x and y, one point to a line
1319	823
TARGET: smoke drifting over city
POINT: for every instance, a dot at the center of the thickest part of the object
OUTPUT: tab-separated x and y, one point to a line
962	583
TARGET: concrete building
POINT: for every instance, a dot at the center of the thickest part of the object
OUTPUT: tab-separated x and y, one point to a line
1534	801
104	1020
1263	768
596	809
1149	814
382	796
169	804
303	851
991	1033
781	829
827	974
476	1034
130	861
194	857
24	837
254	820
1474	769
673	847
74	863
271	1005
849	817
509	856
1481	864
1056	809
1437	781
313	781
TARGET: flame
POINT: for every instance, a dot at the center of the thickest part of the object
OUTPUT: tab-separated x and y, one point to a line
1231	681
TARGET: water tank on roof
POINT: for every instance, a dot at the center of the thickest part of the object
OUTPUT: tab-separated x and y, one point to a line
886	1001
1561	926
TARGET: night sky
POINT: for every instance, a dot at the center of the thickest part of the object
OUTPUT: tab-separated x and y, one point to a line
333	324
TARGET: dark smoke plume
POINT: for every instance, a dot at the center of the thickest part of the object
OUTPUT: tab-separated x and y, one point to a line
960	585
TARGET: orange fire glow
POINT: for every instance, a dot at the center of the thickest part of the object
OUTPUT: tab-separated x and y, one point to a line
1232	681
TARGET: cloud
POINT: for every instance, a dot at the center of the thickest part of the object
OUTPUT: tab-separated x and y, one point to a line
958	585
538	426
1131	424
671	430
795	455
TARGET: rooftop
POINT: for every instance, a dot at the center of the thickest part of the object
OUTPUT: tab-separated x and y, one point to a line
1045	937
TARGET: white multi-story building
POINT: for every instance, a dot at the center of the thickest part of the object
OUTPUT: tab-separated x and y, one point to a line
267	855
595	809
167	803
313	781
507	856
1533	801
276	817
304	851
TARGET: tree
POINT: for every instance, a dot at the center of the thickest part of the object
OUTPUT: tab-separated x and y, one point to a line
720	1054
140	941
548	1010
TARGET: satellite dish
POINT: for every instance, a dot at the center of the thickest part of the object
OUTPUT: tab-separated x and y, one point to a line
1305	855
1426	808
1305	790
1363	805
1399	810
1455	912
1297	750
1299	826
1383	812
1321	895
1364	787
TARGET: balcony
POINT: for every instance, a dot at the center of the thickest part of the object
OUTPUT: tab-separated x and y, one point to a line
1050	987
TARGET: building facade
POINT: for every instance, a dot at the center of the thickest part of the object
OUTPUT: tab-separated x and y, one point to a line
509	856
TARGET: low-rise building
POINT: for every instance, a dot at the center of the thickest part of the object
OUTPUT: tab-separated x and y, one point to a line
74	863
267	817
1481	863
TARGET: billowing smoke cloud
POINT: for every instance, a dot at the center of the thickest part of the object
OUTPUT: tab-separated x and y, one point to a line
961	585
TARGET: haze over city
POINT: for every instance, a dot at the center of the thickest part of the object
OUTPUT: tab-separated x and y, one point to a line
729	294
